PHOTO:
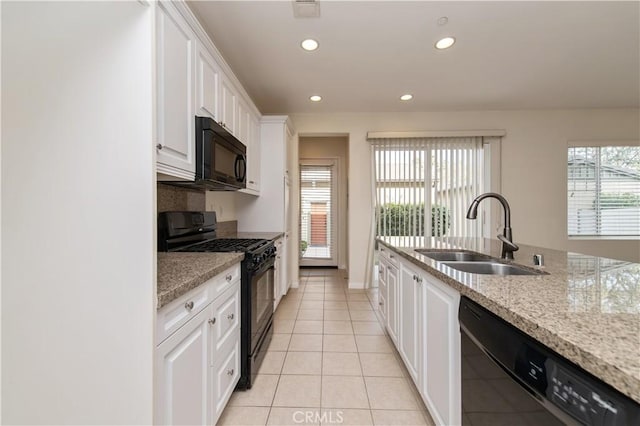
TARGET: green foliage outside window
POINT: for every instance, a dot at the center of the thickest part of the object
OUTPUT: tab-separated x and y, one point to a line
618	200
408	220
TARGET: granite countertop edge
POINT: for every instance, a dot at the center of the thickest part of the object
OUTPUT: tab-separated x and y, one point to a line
175	282
263	235
589	361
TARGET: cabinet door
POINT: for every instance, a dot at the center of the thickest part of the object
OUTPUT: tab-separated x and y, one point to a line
383	289
278	276
175	51
226	315
441	377
228	105
182	363
226	374
253	153
207	83
393	303
410	310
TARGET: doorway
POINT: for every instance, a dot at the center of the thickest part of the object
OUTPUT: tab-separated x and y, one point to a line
318	212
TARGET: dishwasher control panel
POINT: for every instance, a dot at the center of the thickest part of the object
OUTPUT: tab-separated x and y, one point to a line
586	403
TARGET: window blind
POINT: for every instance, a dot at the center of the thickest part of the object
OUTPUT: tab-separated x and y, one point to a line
603	196
424	187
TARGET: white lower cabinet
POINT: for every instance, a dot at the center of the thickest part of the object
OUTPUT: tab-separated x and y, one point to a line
393	287
198	366
182	369
441	381
411	312
422	320
280	281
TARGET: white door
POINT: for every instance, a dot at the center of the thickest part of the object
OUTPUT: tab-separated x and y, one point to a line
182	374
207	83
229	105
318	218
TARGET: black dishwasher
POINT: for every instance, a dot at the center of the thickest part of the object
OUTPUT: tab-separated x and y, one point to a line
509	378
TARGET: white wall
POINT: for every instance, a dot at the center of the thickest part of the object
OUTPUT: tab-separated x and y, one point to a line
534	169
78	218
332	147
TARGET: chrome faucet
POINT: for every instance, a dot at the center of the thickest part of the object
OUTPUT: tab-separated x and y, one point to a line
508	246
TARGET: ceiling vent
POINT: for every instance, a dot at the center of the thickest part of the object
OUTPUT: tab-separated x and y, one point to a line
306	8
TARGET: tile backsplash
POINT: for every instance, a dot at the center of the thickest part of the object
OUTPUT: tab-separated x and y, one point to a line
173	198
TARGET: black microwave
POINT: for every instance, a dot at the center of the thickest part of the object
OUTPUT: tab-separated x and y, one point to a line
221	159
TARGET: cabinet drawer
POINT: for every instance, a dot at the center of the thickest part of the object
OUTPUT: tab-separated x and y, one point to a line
388	255
226	313
226	373
223	281
174	315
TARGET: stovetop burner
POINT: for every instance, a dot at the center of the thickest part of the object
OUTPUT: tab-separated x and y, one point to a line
227	244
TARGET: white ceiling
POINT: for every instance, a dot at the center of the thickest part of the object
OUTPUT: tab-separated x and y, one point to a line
508	55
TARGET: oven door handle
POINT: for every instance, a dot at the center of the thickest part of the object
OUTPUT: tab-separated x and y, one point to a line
268	264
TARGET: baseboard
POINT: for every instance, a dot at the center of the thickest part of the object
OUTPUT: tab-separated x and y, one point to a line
356	285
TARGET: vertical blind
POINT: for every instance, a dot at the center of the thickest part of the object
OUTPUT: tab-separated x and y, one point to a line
316	221
603	196
424	187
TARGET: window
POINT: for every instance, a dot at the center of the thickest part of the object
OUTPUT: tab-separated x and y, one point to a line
424	187
603	191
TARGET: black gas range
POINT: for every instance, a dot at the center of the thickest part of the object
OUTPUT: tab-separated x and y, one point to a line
196	232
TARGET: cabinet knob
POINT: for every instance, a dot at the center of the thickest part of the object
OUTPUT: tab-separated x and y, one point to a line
230	372
189	305
230	317
391	256
252	182
380	303
419	280
229	277
212	321
159	146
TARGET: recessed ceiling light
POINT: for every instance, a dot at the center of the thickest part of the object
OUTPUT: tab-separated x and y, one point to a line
445	43
309	44
315	98
406	97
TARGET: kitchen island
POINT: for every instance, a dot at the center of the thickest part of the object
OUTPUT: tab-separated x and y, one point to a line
586	308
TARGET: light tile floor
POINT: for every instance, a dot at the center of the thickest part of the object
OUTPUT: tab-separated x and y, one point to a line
330	363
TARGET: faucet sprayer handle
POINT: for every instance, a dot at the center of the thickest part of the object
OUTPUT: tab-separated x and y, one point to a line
512	246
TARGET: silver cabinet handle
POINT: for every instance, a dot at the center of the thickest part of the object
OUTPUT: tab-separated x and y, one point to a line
415	277
212	321
229	277
230	372
380	303
230	317
189	305
419	280
391	256
159	146
251	182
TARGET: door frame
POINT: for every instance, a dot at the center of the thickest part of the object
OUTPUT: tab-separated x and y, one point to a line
335	209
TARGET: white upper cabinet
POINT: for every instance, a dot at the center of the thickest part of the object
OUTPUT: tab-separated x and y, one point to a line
207	83
252	131
194	80
228	105
175	53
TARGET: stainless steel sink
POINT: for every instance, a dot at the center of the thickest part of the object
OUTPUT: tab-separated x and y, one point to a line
454	256
492	268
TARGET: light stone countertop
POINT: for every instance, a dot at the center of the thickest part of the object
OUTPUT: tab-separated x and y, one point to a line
587	309
180	272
